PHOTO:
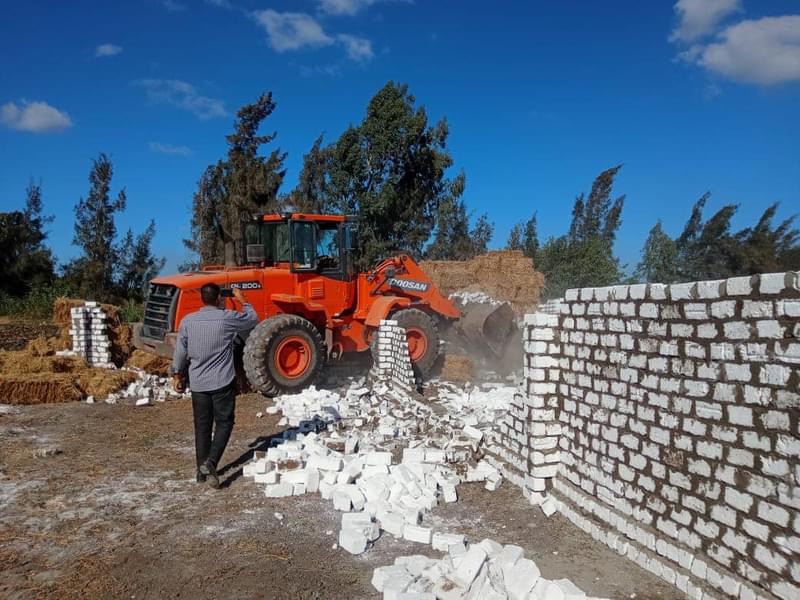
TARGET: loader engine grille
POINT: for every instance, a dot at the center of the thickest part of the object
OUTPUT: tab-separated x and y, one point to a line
159	310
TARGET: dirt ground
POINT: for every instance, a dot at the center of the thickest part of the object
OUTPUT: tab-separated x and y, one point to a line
15	335
112	511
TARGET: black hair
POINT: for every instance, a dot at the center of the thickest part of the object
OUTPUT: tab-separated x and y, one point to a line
209	293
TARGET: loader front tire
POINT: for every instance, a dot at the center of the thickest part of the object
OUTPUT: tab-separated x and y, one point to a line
423	338
283	354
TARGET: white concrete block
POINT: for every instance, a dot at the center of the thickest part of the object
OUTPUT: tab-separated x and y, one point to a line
416	533
354	541
278	490
443	541
520	577
469	566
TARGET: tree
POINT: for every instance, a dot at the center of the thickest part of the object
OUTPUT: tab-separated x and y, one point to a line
25	262
659	258
569	264
515	238
95	231
136	264
108	271
767	249
707	250
584	257
530	238
599	216
311	195
231	190
453	239
389	170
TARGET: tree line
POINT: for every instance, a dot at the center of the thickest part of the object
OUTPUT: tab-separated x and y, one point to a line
109	268
392	170
706	249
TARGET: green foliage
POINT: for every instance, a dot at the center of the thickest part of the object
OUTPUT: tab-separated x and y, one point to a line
453	239
598	216
95	232
711	250
37	303
659	258
231	190
132	311
108	271
136	265
25	262
515	238
390	171
311	194
568	263
525	237
585	256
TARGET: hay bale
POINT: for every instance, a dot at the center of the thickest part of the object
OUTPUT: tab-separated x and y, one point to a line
457	368
102	382
150	363
40	388
503	275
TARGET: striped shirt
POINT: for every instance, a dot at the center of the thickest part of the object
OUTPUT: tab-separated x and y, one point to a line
205	343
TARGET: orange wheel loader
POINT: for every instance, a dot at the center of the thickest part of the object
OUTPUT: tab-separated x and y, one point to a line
312	304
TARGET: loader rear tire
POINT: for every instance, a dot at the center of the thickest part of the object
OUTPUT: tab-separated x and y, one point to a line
423	338
283	354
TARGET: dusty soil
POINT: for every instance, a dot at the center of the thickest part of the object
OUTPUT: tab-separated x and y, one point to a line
112	511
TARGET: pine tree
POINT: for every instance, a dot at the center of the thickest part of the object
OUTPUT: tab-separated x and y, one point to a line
95	231
311	195
515	238
530	238
708	250
659	258
231	190
768	249
136	265
390	170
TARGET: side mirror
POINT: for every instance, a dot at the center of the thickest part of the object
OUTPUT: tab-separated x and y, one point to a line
255	253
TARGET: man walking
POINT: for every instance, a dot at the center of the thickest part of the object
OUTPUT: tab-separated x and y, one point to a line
205	345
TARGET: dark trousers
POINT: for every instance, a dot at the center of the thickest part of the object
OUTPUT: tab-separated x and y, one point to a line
215	409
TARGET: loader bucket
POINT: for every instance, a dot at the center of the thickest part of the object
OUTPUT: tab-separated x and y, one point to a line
488	325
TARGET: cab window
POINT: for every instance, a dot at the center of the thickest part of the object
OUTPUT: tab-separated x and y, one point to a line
303	245
328	246
276	242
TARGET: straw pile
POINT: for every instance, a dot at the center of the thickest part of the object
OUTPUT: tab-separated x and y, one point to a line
119	334
149	363
503	275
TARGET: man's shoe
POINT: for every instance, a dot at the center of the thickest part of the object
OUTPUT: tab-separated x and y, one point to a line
200	477
210	475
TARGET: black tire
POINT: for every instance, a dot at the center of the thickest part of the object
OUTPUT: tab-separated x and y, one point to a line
413	318
260	360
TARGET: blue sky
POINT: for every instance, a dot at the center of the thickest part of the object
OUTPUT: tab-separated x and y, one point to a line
540	97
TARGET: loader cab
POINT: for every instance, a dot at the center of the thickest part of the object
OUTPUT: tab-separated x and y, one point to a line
303	243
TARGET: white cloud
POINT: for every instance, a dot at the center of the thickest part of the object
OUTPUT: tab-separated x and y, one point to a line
348	7
764	51
344	7
170	149
183	95
107	50
358	49
37	117
291	31
173	5
700	17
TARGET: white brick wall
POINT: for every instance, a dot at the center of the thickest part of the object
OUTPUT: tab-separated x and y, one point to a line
679	407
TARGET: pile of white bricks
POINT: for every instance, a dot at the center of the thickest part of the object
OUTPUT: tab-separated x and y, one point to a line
90	335
392	365
482	571
342	447
679	412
